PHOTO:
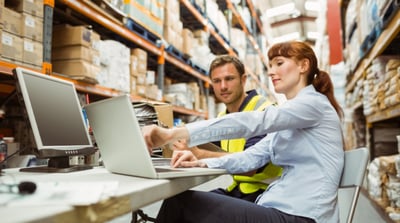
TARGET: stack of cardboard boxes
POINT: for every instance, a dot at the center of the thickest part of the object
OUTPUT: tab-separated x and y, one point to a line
138	71
22	32
172	24
143	81
75	52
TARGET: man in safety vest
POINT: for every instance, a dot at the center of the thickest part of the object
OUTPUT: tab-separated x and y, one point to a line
228	79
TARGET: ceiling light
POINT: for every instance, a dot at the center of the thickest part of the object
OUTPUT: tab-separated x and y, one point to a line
312	6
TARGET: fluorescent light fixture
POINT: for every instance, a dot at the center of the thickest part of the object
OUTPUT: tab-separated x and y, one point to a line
286	37
312	5
280	10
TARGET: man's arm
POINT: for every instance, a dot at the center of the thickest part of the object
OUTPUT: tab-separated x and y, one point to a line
201	152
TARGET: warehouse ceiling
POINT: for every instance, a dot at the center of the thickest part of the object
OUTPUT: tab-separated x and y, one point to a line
289	19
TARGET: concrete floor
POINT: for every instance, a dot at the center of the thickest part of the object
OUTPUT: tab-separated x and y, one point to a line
365	211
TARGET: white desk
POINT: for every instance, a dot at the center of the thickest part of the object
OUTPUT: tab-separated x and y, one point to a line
132	193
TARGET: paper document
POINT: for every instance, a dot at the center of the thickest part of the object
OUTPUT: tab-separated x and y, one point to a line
62	193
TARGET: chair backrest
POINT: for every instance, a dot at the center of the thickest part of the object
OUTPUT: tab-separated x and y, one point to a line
355	165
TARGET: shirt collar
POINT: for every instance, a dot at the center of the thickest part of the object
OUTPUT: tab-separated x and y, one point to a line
250	95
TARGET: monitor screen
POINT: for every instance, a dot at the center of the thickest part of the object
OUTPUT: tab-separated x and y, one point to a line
54	113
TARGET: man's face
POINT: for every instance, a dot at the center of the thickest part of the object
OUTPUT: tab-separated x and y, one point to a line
227	83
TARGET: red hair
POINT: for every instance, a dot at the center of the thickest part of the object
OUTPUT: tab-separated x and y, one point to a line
319	79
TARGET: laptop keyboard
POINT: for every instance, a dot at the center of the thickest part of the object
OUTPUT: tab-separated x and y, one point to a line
161	161
160	170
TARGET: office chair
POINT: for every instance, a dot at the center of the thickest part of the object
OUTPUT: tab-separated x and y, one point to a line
355	165
140	217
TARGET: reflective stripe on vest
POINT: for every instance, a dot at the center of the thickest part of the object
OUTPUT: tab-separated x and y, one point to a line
250	184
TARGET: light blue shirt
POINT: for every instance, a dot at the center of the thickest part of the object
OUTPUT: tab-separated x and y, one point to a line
304	137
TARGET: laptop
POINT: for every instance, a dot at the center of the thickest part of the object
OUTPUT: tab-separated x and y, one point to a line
122	146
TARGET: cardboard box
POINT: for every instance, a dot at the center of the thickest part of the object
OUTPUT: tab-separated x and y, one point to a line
165	114
79	68
1	44
166	117
12	21
141	54
187	44
178	42
141	79
171	18
32	7
1	34
140	89
1	11
32	52
172	6
141	59
11	46
141	67
196	95
66	35
32	27
170	34
134	65
75	52
150	77
133	85
201	36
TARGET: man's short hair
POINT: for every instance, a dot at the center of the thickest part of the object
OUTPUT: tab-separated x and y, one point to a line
227	59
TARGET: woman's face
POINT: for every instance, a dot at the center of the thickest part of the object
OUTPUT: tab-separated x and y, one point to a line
287	75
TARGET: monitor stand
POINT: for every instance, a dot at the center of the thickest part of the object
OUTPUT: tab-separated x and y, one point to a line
57	165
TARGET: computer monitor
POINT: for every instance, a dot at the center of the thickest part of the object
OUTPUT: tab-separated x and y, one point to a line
54	115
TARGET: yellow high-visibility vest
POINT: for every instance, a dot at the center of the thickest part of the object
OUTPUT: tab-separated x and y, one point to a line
250	184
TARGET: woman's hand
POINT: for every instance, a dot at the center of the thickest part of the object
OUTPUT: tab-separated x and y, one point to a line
156	136
185	158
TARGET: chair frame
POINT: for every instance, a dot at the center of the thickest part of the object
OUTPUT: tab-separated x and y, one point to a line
355	166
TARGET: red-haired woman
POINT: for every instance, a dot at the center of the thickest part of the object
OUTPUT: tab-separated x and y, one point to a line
304	138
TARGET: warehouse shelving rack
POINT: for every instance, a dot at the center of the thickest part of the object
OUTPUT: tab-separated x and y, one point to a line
164	58
384	40
256	24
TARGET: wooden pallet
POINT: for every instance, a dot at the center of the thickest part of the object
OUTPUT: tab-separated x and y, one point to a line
111	12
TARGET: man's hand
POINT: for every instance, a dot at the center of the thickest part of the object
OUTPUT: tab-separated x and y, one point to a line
185	158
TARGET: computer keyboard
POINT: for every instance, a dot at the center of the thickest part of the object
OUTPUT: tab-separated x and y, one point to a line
161	161
158	170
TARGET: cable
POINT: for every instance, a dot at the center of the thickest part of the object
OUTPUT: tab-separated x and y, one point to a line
8	98
10	156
